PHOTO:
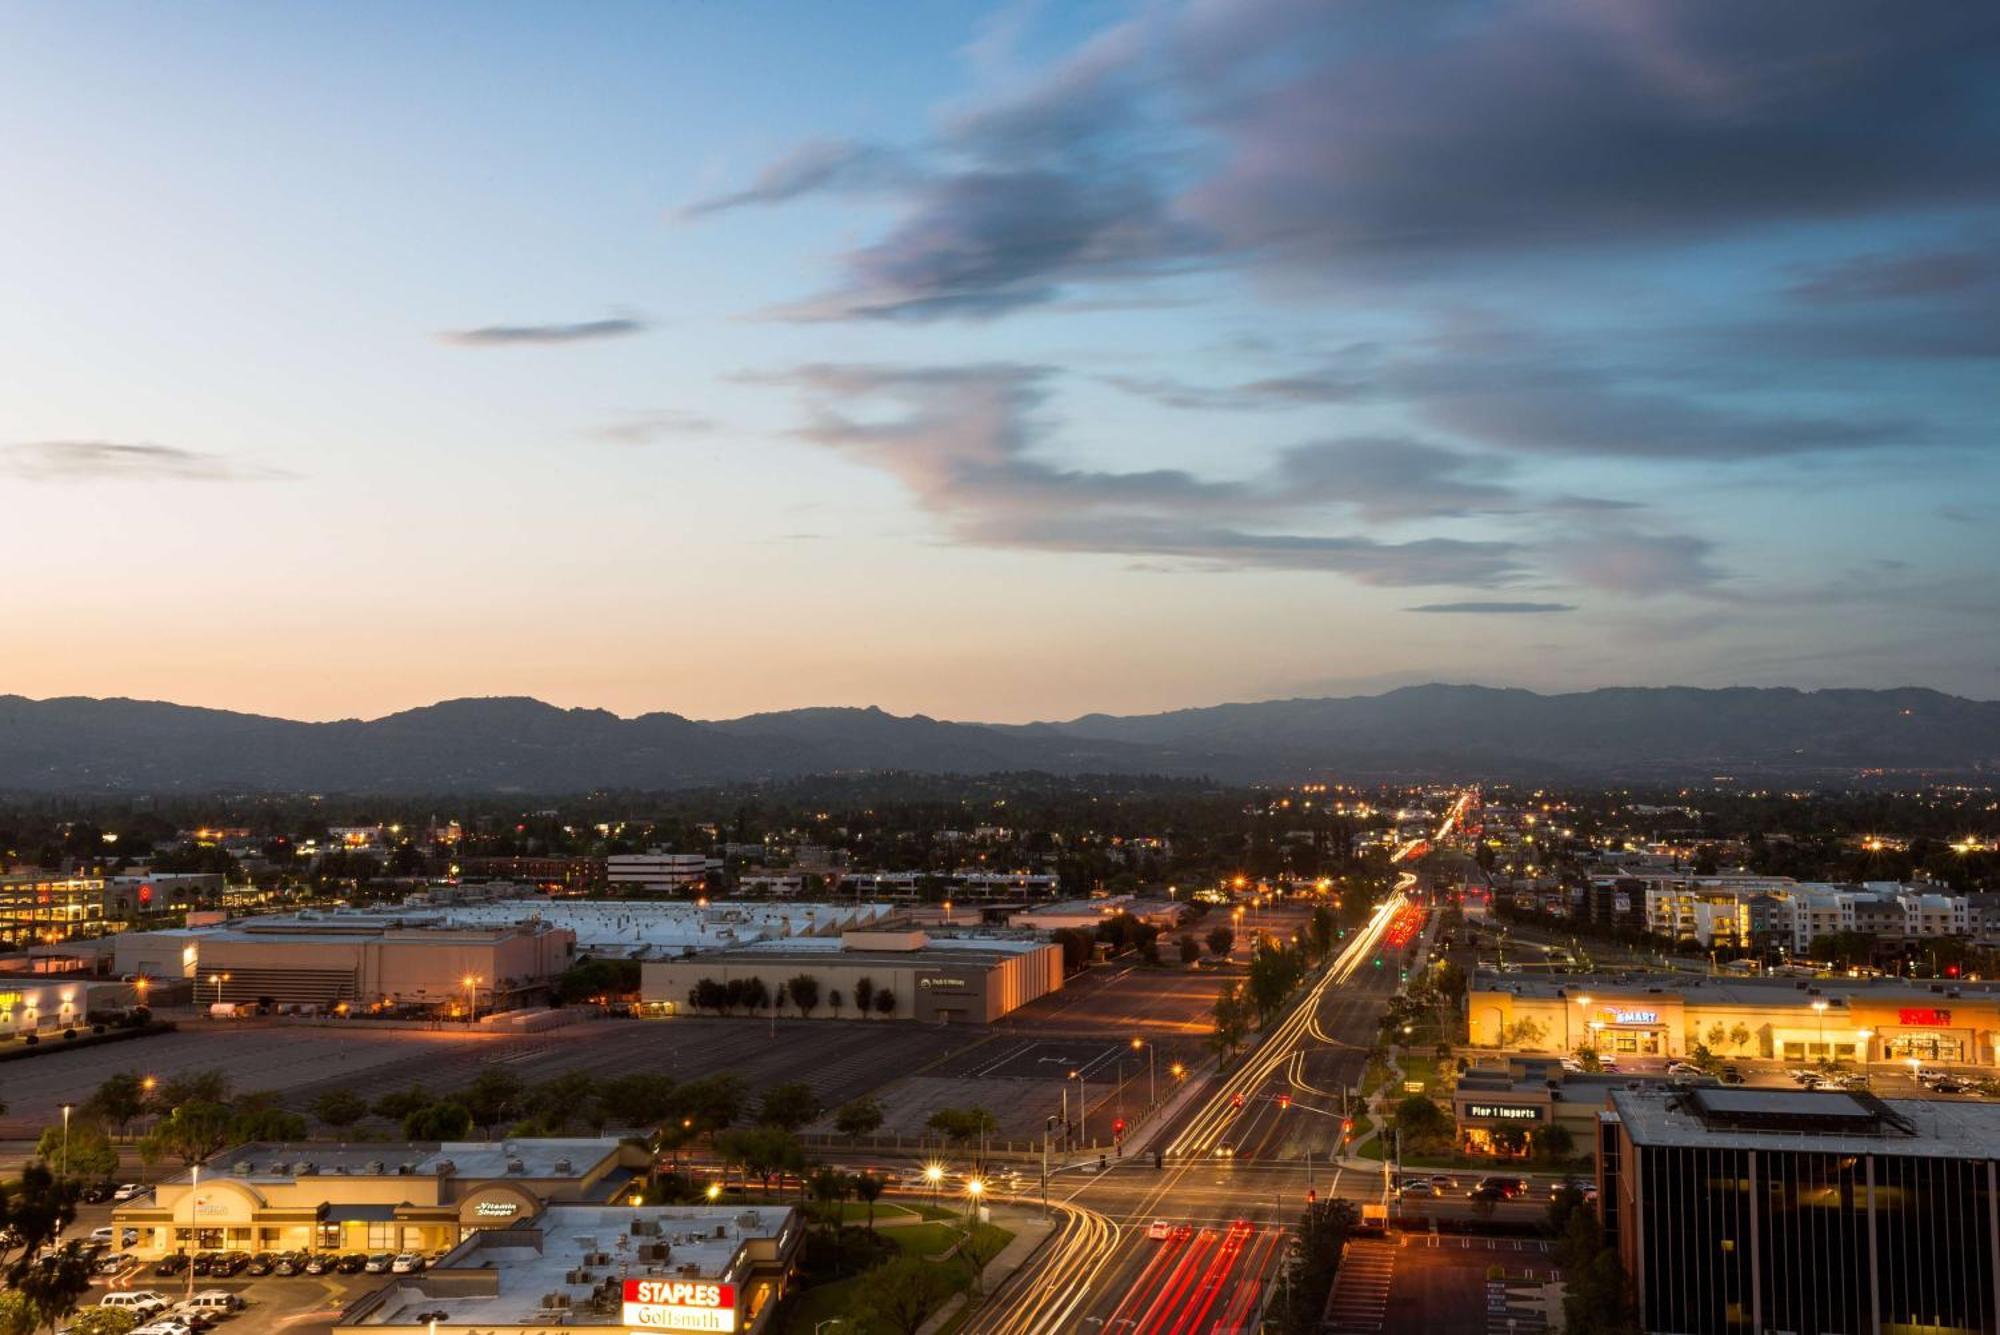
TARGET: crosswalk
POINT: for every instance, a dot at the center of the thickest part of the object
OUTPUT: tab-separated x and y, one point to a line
1360	1297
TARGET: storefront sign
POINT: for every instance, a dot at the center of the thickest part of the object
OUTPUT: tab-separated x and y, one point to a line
1635	1017
940	982
496	1209
1924	1017
678	1304
1503	1112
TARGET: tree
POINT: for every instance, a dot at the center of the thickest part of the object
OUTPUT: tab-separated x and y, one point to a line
1190	948
864	995
858	1118
39	1208
756	995
273	1124
206	1086
829	1187
835	1000
18	1315
641	1099
560	1099
1420	1122
493	1098
712	1102
1232	1019
192	1133
869	1188
53	1281
440	1121
340	1108
120	1100
400	1104
90	1155
784	997
790	1105
903	1294
1221	940
979	1245
961	1126
103	1321
1554	1141
805	993
885	1003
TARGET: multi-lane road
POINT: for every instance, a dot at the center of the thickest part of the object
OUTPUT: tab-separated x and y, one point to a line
1238	1164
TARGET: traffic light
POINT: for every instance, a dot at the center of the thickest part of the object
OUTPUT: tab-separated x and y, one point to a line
1284	1100
1236	1100
1312	1196
1378	961
1118	1127
1347	1126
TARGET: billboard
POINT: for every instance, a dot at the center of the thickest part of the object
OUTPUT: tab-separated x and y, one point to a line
679	1304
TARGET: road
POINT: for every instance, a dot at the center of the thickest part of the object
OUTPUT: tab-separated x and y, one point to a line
1238	1164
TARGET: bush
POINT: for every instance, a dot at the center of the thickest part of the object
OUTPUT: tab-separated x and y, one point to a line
32	1039
68	1034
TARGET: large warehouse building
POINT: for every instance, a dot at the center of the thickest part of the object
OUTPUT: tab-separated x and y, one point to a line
967	979
359	959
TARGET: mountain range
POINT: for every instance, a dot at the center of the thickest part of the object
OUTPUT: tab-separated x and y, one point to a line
512	744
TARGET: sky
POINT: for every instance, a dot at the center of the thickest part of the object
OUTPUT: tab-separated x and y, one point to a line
994	361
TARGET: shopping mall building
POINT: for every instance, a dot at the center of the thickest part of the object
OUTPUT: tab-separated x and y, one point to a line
372	1197
1781	1019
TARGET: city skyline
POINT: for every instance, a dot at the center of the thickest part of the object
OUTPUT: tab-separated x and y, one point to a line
1010	362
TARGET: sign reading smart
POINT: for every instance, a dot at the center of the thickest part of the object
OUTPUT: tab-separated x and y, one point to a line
679	1304
1634	1017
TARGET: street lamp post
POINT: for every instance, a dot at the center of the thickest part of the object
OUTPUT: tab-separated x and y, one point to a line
1152	1089
1082	1107
471	998
218	979
1583	1001
65	1145
1819	1009
934	1174
1867	1037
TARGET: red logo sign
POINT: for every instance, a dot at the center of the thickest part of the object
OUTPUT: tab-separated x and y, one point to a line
1923	1017
679	1293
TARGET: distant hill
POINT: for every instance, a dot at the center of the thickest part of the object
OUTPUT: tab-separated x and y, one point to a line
521	745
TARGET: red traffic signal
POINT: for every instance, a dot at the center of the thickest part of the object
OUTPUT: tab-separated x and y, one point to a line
1346	1125
1311	1196
1236	1100
1284	1100
1118	1127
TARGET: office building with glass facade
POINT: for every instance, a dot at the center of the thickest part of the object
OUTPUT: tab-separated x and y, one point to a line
1759	1210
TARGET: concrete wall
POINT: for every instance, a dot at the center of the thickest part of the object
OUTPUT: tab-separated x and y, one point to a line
928	986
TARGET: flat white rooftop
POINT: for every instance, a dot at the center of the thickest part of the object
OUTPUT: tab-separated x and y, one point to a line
578	1256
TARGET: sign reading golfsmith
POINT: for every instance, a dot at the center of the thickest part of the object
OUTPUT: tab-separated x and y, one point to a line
679	1304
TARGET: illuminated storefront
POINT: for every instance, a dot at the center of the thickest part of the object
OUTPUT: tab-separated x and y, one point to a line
1791	1020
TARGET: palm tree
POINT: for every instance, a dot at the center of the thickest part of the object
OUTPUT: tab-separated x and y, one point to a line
869	1188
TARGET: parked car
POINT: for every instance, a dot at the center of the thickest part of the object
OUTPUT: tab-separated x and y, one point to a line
140	1302
219	1301
113	1262
289	1263
260	1264
97	1193
194	1316
232	1263
379	1263
352	1263
1947	1085
319	1263
406	1263
128	1191
103	1235
168	1266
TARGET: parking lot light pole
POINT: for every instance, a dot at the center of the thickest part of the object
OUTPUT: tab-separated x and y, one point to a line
1082	1107
64	1171
1867	1038
1152	1088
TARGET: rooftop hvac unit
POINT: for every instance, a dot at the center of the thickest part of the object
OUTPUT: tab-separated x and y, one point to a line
562	1165
375	1167
721	1230
515	1166
445	1168
242	1167
304	1169
405	1169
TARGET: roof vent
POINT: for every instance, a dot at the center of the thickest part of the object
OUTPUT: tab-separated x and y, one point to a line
563	1165
516	1166
242	1168
375	1167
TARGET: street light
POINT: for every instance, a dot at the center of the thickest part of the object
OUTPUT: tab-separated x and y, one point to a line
218	979
471	997
714	1192
1867	1037
934	1174
974	1189
1152	1092
1819	1008
1082	1106
64	1171
1581	1001
1177	1071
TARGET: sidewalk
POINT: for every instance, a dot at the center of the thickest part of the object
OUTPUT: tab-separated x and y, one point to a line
1030	1232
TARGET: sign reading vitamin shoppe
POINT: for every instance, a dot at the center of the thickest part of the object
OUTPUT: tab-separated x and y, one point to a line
679	1304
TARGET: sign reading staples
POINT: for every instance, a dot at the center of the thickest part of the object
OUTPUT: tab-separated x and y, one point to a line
1940	1019
679	1304
1503	1112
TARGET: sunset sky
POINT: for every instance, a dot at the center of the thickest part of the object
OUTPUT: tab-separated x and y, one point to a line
994	361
